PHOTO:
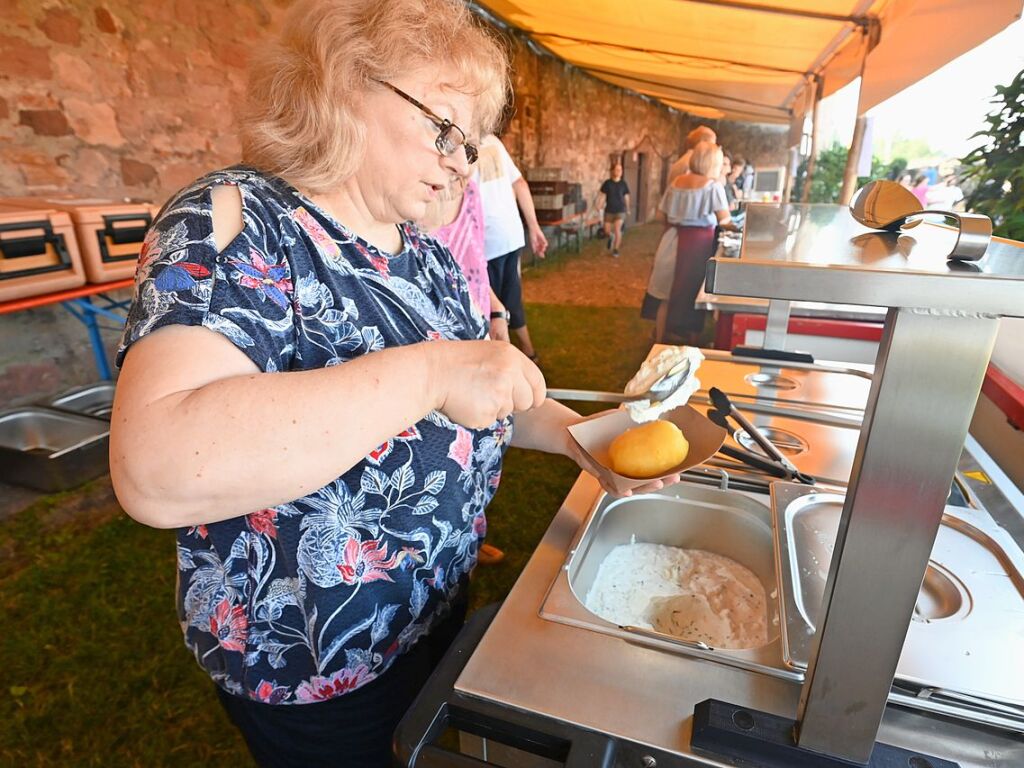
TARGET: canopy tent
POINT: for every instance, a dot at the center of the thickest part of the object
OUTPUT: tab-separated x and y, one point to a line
760	61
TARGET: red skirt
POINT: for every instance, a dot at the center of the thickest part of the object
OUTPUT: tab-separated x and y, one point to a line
694	247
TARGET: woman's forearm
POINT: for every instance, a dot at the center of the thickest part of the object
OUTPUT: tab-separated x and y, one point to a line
544	428
246	442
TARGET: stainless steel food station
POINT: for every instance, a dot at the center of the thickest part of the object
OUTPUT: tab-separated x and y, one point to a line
895	580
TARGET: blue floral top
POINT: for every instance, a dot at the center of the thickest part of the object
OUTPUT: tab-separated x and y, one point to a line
309	600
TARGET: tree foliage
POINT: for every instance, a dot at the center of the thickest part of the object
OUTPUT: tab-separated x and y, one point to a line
828	174
997	167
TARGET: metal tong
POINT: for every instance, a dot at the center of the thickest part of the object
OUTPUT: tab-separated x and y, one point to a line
776	465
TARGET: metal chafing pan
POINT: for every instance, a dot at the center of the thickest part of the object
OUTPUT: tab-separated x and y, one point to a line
730	523
51	450
962	652
92	400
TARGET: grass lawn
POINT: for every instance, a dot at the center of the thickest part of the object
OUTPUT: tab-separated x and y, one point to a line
95	672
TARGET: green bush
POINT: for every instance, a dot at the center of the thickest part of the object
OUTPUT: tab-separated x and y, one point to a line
997	167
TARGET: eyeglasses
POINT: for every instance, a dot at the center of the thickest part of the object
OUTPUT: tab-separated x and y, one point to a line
449	137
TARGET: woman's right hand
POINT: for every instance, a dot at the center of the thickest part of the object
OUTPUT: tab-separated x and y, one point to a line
475	383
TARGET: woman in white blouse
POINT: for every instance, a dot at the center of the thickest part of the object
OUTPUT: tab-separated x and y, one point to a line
693	205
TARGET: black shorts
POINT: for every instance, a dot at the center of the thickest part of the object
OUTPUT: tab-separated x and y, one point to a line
350	731
503	272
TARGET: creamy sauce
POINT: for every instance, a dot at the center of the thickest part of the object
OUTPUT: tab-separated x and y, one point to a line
643	410
687	593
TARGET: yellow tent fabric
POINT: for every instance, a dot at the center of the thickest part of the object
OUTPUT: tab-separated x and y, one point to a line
754	60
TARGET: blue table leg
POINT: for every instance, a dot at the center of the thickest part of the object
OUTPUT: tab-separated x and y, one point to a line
85	311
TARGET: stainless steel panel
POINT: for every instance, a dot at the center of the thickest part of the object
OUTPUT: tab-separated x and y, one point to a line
93	400
928	375
969	618
51	450
819	252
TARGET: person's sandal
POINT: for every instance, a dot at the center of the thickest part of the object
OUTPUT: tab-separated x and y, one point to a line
489	555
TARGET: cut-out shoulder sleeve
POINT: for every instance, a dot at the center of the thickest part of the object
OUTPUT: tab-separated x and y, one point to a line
240	288
227	214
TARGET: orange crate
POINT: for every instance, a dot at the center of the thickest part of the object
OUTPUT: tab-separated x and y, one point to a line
110	232
38	252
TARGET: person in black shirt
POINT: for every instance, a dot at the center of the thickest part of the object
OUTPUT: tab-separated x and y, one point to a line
616	207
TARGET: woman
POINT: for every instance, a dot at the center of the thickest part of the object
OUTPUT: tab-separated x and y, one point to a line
614	194
456	218
920	189
306	392
692	205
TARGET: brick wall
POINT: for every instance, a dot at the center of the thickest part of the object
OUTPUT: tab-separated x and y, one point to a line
111	99
137	99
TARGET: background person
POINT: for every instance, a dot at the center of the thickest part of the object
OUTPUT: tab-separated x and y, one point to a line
504	193
693	138
920	189
306	392
615	202
456	218
692	206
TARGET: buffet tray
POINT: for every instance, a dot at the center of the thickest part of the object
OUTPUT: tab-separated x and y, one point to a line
51	450
963	643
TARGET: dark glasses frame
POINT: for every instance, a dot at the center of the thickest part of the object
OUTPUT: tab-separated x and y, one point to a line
446	143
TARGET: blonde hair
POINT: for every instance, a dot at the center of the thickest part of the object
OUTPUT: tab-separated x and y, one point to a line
699	134
706	159
301	119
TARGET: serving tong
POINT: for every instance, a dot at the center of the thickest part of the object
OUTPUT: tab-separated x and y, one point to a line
776	463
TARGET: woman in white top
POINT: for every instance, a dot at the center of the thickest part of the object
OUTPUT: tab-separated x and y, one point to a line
693	205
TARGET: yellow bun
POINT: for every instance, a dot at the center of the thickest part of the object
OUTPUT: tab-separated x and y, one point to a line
649	450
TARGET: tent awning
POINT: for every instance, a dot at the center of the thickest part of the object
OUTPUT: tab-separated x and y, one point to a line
756	60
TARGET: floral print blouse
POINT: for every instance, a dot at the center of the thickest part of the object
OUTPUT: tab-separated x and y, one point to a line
311	599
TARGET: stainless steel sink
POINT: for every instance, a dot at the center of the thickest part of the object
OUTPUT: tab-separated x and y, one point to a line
92	399
51	450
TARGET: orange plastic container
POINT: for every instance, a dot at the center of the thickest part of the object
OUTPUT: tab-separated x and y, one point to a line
38	252
110	232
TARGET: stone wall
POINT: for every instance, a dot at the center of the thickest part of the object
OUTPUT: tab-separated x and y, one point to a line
565	118
135	99
119	99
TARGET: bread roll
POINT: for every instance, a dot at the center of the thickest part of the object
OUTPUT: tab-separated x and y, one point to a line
649	450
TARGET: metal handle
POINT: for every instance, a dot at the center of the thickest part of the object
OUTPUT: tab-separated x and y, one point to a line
757	462
589	396
122	235
974	233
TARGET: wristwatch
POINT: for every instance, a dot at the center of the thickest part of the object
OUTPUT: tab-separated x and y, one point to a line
502	315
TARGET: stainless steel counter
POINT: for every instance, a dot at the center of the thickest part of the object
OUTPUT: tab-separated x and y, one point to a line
604	683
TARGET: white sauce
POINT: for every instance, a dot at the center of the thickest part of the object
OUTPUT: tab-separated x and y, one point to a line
687	593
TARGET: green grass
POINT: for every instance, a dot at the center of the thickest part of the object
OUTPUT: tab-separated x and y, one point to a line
95	672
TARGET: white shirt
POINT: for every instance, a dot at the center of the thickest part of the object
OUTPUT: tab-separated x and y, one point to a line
943	196
495	173
694	207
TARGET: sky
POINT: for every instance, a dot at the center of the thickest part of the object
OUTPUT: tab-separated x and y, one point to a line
924	110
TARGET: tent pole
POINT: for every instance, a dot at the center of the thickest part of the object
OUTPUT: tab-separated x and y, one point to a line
812	158
850	173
